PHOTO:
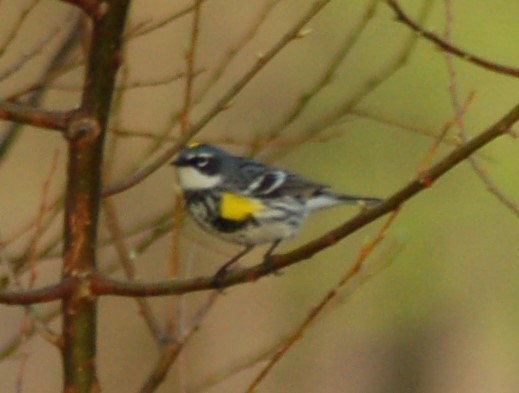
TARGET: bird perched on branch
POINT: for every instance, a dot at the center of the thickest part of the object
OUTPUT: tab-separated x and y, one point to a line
246	202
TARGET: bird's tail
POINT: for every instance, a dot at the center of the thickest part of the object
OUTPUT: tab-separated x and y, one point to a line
324	199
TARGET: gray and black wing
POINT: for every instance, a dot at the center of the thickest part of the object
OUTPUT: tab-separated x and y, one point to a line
255	179
261	181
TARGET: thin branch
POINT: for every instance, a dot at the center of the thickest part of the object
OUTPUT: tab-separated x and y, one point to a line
218	107
215	76
151	27
333	116
157	228
40	295
41	118
190	67
393	122
350	273
402	17
172	351
15	30
40	324
460	122
112	222
327	76
31	53
232	52
190	59
34	243
105	286
11	346
241	365
136	84
426	163
88	6
234	141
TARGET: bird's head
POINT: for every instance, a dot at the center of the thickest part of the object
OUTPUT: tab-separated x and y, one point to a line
201	166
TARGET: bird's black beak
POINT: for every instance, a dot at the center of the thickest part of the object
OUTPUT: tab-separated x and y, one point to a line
179	162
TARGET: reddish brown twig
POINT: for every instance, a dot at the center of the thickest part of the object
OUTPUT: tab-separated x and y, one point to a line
112	222
350	273
446	46
171	352
460	122
20	113
219	106
102	285
354	270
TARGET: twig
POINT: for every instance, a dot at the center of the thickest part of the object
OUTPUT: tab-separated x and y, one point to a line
32	53
45	294
190	59
382	119
230	140
325	78
333	116
20	113
29	225
25	326
99	285
217	73
15	30
460	122
171	351
88	6
159	229
350	273
103	286
213	78
112	222
262	354
177	76
33	247
190	67
151	27
446	46
40	324
426	162
218	107
9	348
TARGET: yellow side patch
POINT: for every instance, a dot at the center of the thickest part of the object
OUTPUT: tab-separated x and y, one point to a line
237	208
193	144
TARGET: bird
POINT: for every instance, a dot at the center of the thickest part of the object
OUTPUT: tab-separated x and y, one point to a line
246	202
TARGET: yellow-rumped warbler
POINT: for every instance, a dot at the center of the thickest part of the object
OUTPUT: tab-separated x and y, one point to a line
246	202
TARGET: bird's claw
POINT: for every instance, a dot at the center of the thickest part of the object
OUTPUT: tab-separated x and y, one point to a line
270	267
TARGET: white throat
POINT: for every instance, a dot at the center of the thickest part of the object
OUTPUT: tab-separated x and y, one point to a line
192	179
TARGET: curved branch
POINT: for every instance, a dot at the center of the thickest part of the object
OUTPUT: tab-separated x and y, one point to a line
401	16
40	295
106	286
88	6
219	106
20	113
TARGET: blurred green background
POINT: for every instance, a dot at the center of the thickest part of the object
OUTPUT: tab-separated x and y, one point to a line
442	317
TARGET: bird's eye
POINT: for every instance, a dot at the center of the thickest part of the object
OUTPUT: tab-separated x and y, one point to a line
201	162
